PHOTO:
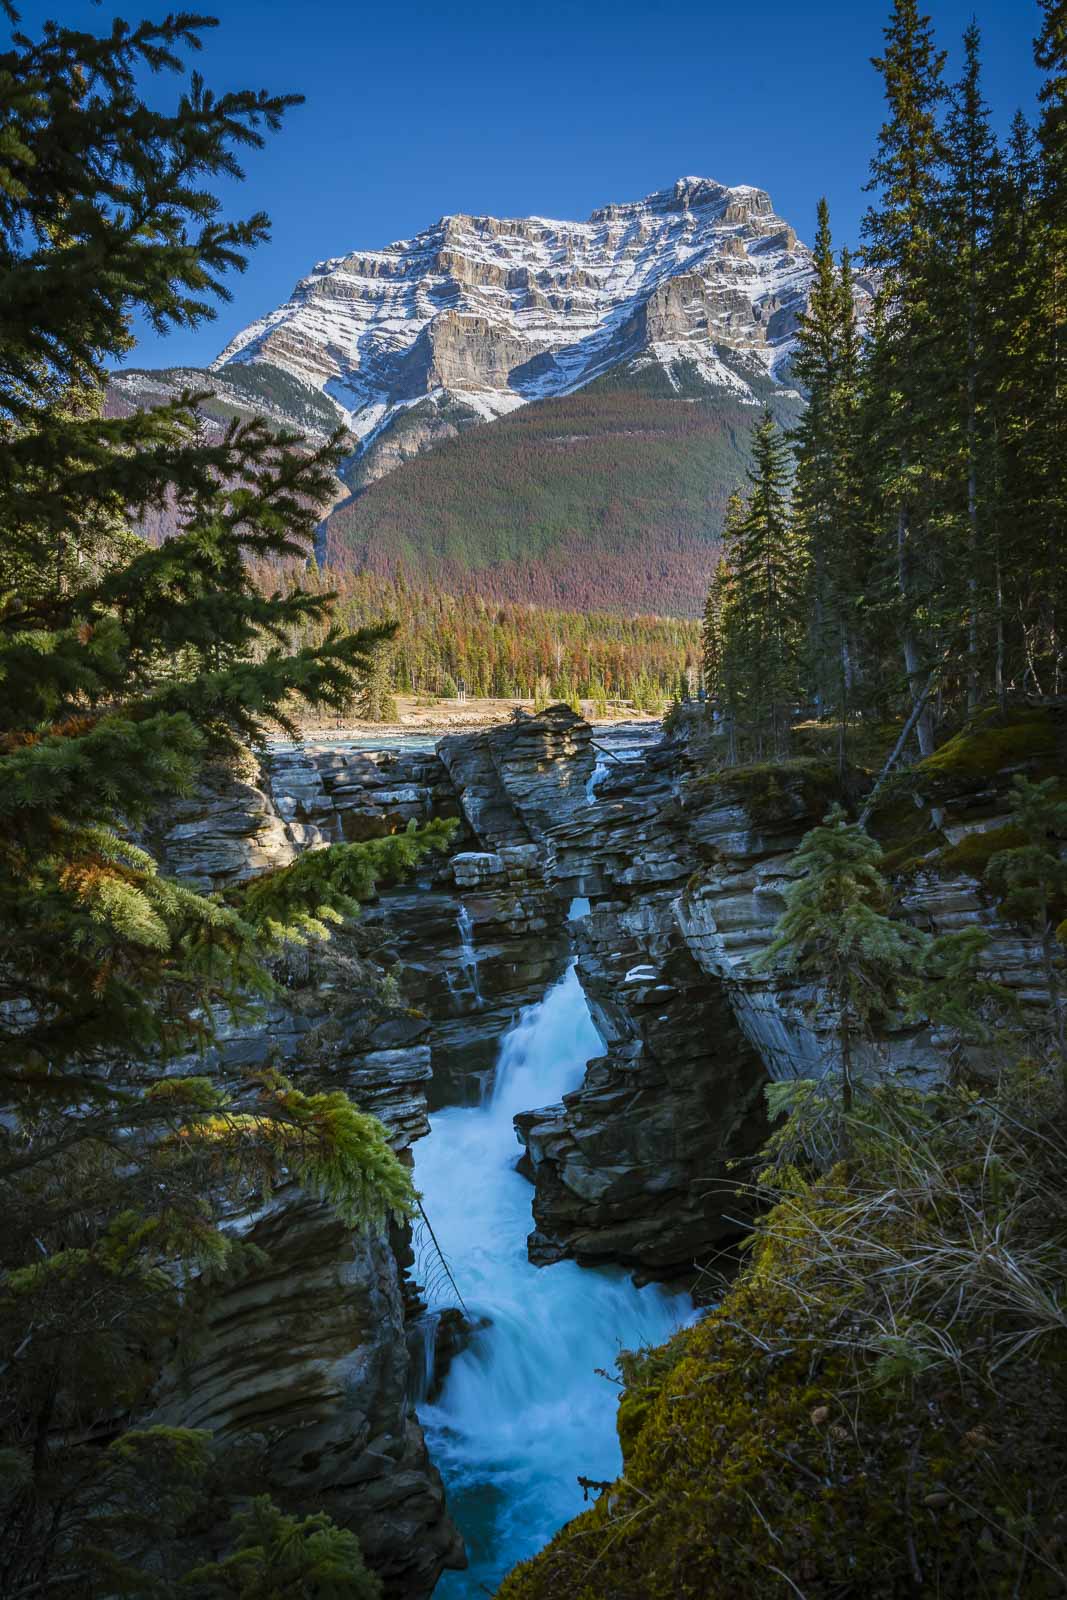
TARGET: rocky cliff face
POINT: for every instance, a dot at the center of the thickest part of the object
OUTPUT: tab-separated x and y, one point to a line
686	868
300	1365
494	313
479	315
303	1362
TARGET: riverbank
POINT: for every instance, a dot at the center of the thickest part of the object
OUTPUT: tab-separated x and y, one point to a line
417	714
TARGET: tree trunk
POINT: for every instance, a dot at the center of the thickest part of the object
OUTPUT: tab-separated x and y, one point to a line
909	638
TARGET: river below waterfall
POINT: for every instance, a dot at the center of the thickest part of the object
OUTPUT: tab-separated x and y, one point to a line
523	1411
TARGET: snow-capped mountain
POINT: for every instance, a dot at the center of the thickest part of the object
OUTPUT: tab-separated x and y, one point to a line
652	333
487	314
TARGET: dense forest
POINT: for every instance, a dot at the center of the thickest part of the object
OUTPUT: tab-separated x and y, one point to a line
901	551
608	499
450	643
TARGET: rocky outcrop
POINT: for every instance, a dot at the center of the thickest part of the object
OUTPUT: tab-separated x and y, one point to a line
301	1369
298	1365
686	864
633	1166
490	313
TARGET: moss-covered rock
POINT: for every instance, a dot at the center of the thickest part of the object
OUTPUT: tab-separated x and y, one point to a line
992	744
765	1455
775	791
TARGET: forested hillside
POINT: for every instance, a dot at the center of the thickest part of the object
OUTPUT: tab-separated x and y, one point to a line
447	642
608	499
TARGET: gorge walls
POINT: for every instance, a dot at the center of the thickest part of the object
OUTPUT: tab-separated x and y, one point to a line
678	868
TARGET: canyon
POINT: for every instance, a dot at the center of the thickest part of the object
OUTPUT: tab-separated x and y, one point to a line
587	940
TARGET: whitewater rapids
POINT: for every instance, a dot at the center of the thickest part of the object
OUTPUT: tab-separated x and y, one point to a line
523	1411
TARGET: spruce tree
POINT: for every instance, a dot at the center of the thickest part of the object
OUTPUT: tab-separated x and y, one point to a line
904	381
1048	346
827	496
124	669
763	628
966	235
836	932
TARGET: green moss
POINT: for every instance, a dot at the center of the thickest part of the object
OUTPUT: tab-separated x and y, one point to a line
973	853
753	1448
991	744
770	790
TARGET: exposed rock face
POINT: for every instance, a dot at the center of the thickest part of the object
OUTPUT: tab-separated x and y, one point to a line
633	1166
492	313
482	935
686	869
477	316
517	781
301	1365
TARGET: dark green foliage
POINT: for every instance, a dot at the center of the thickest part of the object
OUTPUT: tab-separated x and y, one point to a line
761	602
608	499
832	520
278	1558
1031	878
836	931
123	670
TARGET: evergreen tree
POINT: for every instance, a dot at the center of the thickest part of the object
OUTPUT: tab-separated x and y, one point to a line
905	381
836	931
280	1558
1048	344
123	671
375	701
763	627
712	638
827	495
971	158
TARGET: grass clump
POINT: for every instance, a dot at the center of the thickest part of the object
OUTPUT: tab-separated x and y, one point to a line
878	1406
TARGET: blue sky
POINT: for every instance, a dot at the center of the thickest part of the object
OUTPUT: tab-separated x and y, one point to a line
553	107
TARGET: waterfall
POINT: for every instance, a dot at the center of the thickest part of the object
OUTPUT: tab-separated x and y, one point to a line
468	956
595	776
523	1412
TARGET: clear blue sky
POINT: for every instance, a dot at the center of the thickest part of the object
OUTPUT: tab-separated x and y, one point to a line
511	107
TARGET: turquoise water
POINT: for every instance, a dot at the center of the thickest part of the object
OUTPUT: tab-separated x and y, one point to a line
523	1411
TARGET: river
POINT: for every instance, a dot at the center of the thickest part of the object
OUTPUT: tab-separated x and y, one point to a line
523	1411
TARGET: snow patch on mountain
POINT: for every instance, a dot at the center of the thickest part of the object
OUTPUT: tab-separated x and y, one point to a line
701	278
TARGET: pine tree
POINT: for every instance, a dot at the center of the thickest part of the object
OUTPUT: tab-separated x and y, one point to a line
375	701
827	495
1048	345
124	669
905	382
716	601
280	1558
971	170
836	931
763	628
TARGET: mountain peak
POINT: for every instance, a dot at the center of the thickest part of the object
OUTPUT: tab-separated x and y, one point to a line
478	315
